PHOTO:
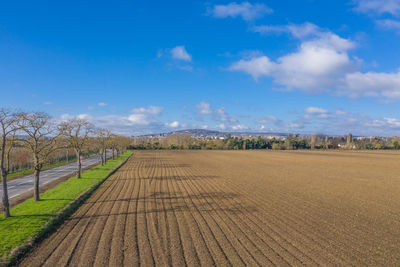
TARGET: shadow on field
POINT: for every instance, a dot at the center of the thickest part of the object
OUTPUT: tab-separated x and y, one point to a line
56	199
165	165
175	178
164	202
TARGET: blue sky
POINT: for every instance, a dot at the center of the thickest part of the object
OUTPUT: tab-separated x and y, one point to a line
142	67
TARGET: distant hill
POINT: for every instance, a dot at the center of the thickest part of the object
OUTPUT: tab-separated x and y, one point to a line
203	133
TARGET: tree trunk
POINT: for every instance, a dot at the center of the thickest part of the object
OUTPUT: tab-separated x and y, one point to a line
78	165
6	204
36	184
102	159
105	156
113	154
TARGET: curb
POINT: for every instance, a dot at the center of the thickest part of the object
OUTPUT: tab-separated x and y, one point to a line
51	226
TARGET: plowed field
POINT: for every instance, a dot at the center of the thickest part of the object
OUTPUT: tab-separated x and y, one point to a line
255	208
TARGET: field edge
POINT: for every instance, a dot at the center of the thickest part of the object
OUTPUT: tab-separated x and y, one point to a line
52	225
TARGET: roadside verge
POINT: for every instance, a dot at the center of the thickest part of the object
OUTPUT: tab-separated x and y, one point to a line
32	221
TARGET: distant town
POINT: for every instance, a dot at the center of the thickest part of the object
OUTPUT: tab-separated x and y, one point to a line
208	139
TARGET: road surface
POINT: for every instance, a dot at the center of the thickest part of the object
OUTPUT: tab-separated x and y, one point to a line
21	185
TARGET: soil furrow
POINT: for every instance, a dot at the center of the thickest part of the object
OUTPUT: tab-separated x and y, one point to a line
235	208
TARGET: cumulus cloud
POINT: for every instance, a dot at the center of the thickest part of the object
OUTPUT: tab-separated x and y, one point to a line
221	115
153	110
378	7
333	122
315	110
318	112
180	53
101	104
372	84
173	124
381	8
389	24
391	123
321	64
138	121
245	10
279	124
204	108
239	127
267	119
316	65
298	31
218	114
256	67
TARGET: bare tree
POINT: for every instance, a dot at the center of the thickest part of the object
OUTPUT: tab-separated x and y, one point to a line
123	143
313	140
113	144
8	124
76	132
41	140
103	142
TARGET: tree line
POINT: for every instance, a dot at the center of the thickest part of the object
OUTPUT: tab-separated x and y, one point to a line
290	142
39	134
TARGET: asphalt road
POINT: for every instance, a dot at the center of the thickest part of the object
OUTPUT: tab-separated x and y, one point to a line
21	185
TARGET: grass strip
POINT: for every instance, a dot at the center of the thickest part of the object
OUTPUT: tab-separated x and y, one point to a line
32	221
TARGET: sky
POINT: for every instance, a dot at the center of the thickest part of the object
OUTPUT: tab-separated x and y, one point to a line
140	67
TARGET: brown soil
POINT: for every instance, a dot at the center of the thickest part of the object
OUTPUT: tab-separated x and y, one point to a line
236	208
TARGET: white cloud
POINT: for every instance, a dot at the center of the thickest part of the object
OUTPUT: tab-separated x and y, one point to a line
267	119
221	115
221	126
378	7
179	52
372	84
341	112
315	110
245	10
101	104
279	124
315	66
139	119
204	108
298	31
320	113
173	124
389	24
83	116
239	127
48	103
144	116
153	110
321	64
218	114
256	67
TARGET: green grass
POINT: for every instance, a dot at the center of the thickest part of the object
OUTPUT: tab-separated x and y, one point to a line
28	218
